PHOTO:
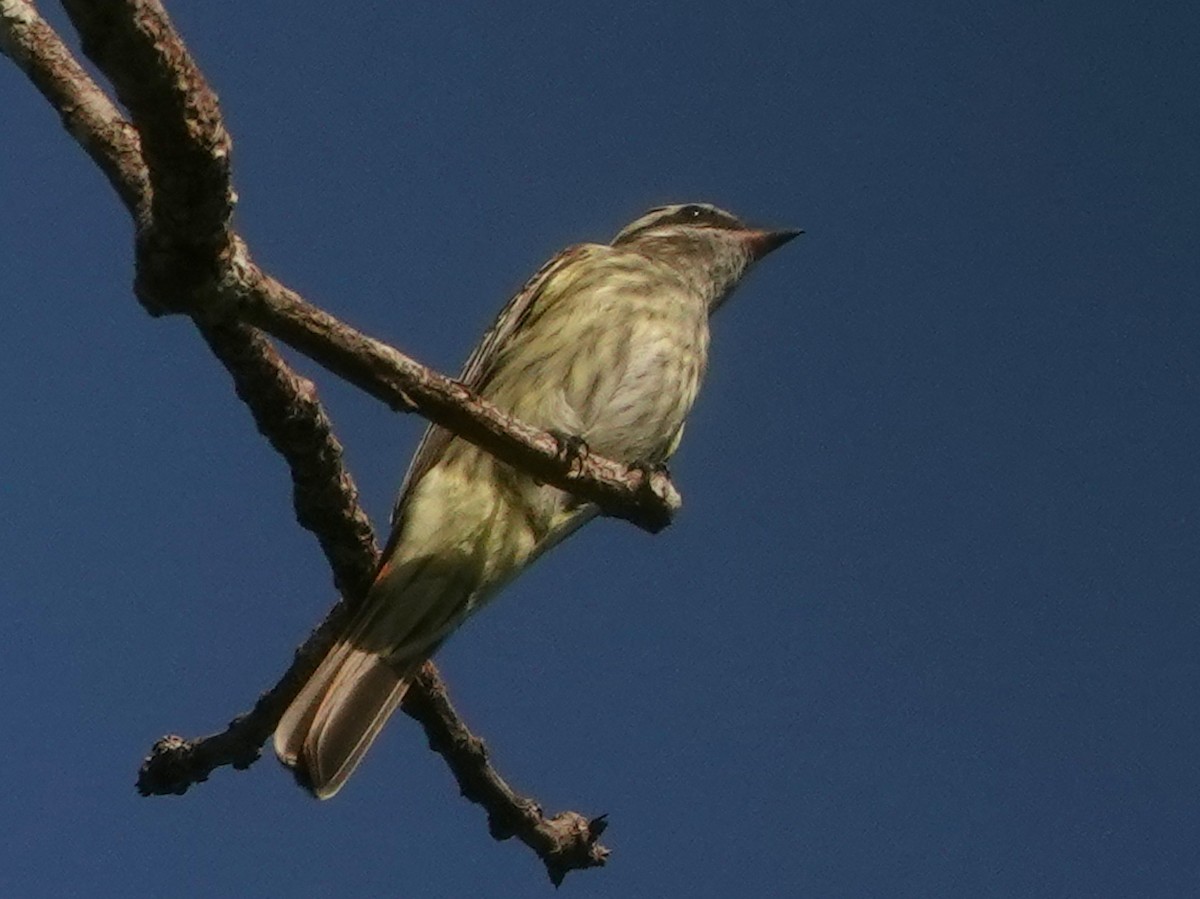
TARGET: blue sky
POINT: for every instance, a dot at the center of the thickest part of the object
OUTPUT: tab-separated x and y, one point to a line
927	624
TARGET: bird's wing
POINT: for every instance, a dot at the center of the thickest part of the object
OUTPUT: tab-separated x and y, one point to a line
482	363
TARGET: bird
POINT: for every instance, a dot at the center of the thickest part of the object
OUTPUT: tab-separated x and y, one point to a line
606	344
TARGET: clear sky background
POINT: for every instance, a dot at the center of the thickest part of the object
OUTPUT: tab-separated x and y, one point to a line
928	622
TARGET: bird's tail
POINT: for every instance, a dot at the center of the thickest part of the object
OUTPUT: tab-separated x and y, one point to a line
339	712
331	724
422	594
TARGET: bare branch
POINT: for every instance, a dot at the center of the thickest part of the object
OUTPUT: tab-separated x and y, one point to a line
287	412
176	763
290	417
191	262
647	499
184	141
86	111
566	842
181	206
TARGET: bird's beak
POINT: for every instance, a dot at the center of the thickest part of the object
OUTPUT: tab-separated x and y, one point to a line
763	242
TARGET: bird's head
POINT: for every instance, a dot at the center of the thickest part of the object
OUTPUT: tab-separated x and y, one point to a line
710	244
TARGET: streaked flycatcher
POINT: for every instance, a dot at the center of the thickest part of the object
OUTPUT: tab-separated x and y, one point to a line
607	344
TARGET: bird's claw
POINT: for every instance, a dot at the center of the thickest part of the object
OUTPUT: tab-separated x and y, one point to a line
571	447
649	469
653	473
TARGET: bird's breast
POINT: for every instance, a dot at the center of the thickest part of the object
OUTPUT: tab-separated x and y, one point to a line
632	383
616	360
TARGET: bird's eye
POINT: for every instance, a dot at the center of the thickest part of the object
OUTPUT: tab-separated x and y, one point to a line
693	212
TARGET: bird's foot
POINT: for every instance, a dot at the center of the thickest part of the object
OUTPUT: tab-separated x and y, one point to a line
656	481
571	448
650	469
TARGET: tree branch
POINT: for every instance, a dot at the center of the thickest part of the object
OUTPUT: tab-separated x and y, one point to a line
645	498
287	412
190	261
87	113
181	203
566	842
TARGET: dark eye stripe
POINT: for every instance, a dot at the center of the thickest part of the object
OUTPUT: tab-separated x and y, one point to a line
695	214
700	215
